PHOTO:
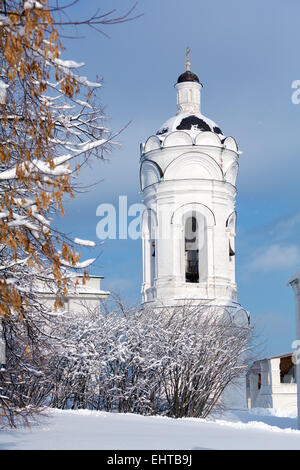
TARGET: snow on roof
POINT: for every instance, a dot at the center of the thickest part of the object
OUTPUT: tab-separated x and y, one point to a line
74	294
91	276
89	288
191	123
30	4
86	290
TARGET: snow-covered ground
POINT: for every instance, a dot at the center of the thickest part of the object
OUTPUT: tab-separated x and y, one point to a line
258	429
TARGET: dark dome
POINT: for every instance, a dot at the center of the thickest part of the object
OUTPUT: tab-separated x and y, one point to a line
188	76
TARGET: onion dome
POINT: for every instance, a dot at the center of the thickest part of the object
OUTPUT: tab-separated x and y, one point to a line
188	76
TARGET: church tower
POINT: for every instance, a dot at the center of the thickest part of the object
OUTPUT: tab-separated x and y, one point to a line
188	174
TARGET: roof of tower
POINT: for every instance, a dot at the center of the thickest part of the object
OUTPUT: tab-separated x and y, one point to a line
188	76
191	123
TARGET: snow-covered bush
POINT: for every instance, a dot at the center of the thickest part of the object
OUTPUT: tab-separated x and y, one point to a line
171	361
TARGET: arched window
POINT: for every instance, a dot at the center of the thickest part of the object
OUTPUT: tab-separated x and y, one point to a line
231	250
230	228
152	261
149	247
192	228
191	250
195	247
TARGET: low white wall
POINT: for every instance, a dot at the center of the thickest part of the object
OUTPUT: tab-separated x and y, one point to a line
272	393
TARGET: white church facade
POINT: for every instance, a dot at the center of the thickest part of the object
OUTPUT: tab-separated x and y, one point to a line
188	176
272	383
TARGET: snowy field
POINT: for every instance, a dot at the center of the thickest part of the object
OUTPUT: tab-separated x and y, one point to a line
258	429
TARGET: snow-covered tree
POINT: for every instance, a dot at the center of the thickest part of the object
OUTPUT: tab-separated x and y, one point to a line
52	125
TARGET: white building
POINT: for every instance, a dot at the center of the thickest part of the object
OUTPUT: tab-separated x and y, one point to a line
272	383
80	297
188	173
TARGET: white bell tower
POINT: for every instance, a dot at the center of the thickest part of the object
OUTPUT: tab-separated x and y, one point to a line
188	174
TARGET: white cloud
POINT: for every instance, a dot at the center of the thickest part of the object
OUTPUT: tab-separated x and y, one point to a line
276	257
286	226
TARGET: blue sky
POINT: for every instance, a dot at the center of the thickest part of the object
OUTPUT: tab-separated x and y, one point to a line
246	55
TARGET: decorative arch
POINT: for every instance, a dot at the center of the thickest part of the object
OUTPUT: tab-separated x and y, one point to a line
230	144
231	221
179	212
193	165
231	173
192	245
177	138
150	173
208	138
153	143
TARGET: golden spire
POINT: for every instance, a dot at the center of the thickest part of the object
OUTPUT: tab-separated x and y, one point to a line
188	63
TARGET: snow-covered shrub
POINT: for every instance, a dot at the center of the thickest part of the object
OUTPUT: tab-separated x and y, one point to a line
171	361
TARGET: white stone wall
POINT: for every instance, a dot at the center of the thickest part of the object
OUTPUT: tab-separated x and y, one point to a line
188	97
272	393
